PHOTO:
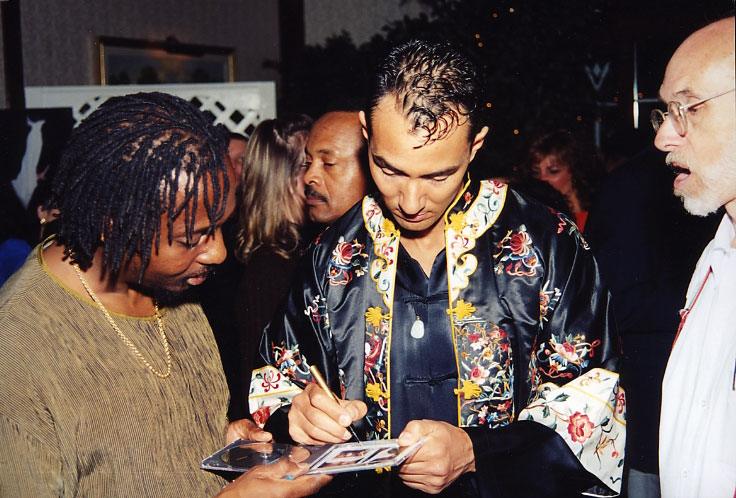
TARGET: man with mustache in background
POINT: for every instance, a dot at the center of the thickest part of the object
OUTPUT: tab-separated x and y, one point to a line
336	175
698	131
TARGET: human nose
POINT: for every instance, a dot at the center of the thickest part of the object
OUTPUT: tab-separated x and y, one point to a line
543	176
411	198
214	251
667	137
311	176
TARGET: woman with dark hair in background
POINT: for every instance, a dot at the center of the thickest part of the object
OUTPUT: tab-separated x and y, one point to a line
571	166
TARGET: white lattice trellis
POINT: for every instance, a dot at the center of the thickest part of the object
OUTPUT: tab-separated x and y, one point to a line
238	106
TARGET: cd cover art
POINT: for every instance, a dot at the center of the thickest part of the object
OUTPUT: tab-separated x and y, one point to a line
241	456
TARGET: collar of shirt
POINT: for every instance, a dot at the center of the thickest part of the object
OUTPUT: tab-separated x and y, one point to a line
718	256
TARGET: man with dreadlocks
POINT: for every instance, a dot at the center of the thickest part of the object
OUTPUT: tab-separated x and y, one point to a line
110	386
456	311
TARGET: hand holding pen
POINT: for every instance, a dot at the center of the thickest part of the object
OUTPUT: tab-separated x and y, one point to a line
321	383
318	416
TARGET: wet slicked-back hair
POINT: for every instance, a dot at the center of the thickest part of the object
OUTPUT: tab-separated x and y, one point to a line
436	87
122	169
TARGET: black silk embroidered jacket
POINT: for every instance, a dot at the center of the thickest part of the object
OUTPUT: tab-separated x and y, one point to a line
535	343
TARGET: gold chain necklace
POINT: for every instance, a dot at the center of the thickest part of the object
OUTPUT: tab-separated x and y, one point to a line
125	339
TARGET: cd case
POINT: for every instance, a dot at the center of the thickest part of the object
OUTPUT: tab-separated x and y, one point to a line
241	455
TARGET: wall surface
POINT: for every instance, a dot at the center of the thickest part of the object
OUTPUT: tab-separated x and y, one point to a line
58	35
361	18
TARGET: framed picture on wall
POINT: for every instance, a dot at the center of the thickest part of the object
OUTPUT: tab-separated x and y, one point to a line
126	61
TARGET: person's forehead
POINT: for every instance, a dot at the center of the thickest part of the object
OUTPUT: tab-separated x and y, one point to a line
683	79
392	131
201	215
395	145
236	144
335	133
550	160
701	66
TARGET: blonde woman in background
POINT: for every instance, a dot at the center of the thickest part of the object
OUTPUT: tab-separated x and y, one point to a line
272	199
271	221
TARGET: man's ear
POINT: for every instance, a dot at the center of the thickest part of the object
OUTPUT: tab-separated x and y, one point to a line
363	124
478	141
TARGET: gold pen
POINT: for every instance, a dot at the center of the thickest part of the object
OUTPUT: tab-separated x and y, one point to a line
321	383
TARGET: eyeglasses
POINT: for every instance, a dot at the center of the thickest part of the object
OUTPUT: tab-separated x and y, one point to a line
676	111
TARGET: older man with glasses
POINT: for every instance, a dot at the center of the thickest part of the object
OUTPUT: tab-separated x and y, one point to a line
698	132
677	111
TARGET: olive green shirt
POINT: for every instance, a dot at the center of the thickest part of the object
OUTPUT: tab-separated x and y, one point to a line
81	415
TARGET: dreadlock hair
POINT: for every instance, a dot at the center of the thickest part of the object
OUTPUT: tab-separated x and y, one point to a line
435	86
271	211
122	170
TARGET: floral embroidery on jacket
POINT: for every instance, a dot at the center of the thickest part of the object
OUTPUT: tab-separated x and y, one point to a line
385	246
548	299
378	323
290	362
485	373
467	197
376	355
346	260
463	228
343	382
517	255
564	221
589	413
269	390
261	415
317	310
462	310
584	412
486	370
572	228
457	221
562	357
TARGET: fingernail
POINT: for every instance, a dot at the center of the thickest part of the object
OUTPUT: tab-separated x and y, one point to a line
289	477
344	420
346	435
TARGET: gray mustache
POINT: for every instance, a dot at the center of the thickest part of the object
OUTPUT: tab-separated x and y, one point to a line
309	192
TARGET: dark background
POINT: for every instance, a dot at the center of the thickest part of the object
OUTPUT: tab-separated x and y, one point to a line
534	55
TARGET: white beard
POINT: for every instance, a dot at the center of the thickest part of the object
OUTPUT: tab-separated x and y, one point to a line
713	186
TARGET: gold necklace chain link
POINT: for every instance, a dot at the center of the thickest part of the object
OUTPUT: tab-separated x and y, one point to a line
124	338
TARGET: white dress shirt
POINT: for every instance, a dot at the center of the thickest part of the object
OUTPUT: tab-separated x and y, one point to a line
697	433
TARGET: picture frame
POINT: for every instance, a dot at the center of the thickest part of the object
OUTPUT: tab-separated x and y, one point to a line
127	61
